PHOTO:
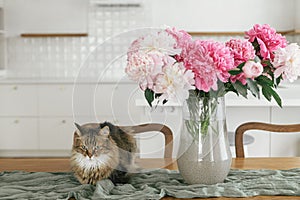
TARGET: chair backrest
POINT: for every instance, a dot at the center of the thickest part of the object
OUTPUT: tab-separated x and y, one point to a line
168	135
239	133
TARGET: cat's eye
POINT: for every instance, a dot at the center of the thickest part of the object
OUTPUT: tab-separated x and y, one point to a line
84	147
96	148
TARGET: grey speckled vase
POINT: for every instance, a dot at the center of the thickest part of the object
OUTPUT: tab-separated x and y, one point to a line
204	155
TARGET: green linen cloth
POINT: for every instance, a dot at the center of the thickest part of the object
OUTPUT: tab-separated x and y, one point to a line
153	184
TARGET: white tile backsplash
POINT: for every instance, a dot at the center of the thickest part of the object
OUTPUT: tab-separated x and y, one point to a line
63	57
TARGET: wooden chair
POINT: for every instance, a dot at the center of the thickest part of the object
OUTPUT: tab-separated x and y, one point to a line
165	130
239	133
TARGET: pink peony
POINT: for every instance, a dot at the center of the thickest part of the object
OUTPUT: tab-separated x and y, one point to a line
143	68
267	38
252	69
183	40
210	61
242	51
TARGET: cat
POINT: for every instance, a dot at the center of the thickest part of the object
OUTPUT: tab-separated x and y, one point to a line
102	151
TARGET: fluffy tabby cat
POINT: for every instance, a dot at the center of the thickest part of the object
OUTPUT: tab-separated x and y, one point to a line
102	151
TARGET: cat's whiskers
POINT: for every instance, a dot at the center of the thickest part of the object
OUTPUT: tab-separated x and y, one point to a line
93	162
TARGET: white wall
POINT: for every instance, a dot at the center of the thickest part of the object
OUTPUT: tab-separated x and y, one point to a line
223	15
297	14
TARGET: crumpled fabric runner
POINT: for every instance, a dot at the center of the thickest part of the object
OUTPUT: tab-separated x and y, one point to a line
153	184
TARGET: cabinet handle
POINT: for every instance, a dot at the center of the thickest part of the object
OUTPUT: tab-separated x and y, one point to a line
16	121
15	87
63	121
172	109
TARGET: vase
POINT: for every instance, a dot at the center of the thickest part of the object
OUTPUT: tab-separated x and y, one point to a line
204	155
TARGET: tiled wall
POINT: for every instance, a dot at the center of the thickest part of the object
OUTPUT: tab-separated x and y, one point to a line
61	57
90	57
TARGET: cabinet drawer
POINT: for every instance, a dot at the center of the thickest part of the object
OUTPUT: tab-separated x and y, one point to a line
56	133
18	134
18	100
117	99
55	100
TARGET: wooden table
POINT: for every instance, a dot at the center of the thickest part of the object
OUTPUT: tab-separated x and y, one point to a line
62	165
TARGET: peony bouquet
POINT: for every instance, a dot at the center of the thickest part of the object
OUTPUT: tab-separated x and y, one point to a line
170	65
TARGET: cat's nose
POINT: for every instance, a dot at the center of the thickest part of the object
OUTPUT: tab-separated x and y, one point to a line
89	154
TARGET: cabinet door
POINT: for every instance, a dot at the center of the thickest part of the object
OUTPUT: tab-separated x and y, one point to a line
18	100
56	133
55	100
285	144
18	133
46	16
118	100
235	116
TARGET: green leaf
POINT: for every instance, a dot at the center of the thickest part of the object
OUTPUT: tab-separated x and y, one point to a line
276	97
266	93
240	66
235	71
256	45
278	80
253	87
266	62
240	88
256	59
149	95
263	80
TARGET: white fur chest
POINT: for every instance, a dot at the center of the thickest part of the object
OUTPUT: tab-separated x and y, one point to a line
88	163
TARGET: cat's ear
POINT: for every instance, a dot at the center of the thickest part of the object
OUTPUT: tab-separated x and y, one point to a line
76	138
77	134
79	129
104	131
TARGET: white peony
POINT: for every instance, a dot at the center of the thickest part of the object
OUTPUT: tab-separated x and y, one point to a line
174	83
161	42
287	62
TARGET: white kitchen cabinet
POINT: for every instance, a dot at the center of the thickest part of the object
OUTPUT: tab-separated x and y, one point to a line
55	100
285	144
46	16
18	100
117	100
17	133
56	133
2	41
235	116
